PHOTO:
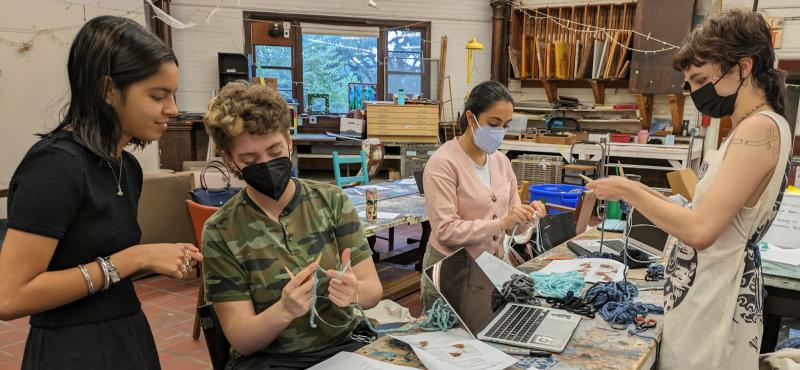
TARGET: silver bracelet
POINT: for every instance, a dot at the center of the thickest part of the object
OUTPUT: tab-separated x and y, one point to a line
104	268
87	278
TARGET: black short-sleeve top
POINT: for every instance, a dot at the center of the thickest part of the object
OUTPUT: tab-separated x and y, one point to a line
64	191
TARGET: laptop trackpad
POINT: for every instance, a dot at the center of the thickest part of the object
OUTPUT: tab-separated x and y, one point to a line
556	328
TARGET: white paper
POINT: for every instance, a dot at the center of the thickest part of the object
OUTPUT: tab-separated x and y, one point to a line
376	187
774	253
456	349
594	270
410	181
353	361
498	271
381	215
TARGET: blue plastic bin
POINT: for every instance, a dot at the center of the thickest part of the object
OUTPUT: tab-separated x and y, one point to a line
565	195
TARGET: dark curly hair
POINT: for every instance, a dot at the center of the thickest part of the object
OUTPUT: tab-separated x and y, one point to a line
725	39
241	108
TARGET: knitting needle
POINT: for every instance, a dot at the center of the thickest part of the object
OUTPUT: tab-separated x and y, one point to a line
585	178
621	171
291	275
319	257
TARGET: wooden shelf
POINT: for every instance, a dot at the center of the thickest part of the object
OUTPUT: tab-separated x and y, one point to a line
613	84
517	107
598	87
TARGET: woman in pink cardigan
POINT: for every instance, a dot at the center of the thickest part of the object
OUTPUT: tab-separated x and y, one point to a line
470	189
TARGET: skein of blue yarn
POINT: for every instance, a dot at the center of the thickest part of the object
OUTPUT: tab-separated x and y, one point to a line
602	293
624	313
789	343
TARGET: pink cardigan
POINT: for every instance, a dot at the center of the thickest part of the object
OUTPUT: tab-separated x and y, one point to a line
462	210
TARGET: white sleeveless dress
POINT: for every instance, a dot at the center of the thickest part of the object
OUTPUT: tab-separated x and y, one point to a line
713	297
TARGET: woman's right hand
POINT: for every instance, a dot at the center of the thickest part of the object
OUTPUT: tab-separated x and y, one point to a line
172	259
518	215
296	295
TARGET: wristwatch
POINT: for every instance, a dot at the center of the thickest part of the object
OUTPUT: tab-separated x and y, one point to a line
110	271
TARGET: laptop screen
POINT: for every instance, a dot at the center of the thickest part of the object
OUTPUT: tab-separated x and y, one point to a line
648	234
418	180
467	289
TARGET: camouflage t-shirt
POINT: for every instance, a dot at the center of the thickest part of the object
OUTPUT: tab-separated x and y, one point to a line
245	252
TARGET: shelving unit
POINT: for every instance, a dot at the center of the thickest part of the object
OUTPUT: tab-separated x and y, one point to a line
552	54
232	67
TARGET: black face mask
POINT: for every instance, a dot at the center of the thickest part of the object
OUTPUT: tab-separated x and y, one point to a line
711	104
269	178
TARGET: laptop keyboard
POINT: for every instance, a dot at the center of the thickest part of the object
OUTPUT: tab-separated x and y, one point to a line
518	324
617	245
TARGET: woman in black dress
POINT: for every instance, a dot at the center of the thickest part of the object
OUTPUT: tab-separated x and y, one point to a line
73	237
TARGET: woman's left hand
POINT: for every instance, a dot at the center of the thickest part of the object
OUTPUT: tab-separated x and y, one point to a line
343	290
540	209
610	188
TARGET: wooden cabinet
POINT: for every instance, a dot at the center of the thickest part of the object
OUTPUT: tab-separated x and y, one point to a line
403	123
184	140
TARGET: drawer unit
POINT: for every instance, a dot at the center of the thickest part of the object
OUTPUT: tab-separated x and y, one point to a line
403	123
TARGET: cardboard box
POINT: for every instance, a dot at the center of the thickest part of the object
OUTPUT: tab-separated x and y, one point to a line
683	182
351	127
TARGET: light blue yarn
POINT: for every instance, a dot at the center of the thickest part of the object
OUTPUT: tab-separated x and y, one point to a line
557	284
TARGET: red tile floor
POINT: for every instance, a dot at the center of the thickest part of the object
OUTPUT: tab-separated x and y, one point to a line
169	305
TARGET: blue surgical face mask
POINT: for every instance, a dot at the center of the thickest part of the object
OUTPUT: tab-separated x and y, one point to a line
487	138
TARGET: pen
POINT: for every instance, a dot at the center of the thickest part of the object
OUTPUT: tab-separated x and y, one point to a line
512	350
524	352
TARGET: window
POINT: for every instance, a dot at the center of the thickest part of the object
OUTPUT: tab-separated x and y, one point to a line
331	62
275	62
404	62
330	58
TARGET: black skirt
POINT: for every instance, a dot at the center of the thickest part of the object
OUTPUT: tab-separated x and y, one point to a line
124	343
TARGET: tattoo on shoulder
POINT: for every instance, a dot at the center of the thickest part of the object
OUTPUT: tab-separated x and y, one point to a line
771	141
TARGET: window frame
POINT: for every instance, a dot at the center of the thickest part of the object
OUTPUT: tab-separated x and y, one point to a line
264	20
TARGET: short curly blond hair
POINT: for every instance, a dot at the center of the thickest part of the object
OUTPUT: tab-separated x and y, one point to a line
241	108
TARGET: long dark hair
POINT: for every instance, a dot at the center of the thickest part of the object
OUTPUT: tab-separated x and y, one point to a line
482	97
727	38
113	47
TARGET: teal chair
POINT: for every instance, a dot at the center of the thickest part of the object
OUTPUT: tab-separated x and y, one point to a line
341	181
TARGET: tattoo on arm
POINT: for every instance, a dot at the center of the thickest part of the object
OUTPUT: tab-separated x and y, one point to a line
771	141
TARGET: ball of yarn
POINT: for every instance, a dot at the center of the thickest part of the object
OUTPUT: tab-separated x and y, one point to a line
519	289
557	284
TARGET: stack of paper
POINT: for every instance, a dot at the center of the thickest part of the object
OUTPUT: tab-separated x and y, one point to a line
774	253
456	349
594	270
353	361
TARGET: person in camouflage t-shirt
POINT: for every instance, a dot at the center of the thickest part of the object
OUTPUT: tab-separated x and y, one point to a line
260	249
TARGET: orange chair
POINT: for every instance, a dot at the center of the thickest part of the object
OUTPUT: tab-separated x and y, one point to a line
198	214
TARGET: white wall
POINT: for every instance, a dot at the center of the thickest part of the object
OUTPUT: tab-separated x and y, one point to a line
197	47
33	84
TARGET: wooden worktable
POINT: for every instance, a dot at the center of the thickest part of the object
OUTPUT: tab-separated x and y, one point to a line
593	346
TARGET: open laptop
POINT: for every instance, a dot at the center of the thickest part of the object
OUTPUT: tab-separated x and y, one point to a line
643	235
418	180
485	314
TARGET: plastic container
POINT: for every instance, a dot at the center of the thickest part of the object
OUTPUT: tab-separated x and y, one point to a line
401	97
565	195
620	138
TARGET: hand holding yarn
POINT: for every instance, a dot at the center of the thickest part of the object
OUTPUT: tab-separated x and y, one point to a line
343	287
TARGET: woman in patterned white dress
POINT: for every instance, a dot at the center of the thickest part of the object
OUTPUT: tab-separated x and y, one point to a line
713	293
